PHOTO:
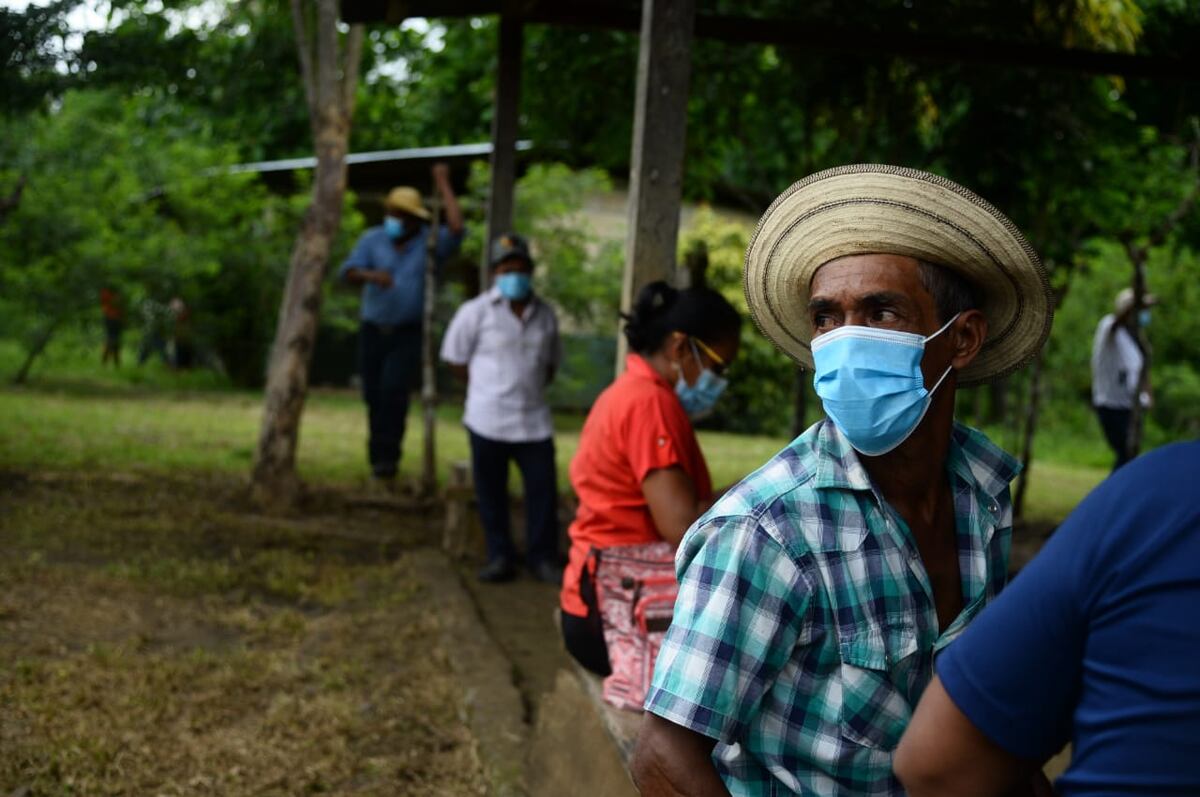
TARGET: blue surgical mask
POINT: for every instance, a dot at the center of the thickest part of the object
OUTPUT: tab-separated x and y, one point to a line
515	285
871	384
394	227
1144	318
698	399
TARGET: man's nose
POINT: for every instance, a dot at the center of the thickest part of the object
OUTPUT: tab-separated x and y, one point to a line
854	318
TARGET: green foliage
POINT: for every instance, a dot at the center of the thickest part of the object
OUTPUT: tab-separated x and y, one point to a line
577	271
29	55
762	380
124	192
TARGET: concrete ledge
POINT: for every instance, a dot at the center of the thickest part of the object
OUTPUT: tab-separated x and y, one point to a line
495	711
573	749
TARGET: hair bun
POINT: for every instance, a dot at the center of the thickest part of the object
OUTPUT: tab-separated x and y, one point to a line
649	314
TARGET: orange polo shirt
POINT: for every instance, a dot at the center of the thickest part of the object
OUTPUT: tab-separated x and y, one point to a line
636	425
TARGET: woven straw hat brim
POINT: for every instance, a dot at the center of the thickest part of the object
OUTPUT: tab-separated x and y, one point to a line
879	209
407	200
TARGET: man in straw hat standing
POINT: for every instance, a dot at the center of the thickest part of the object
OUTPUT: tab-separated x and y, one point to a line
389	263
816	593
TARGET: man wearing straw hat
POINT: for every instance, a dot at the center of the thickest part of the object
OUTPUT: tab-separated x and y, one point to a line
816	593
389	263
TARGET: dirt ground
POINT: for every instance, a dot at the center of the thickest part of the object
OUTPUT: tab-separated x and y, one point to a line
159	638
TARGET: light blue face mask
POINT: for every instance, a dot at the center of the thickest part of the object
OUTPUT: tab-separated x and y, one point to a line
871	384
698	399
394	227
515	285
1144	318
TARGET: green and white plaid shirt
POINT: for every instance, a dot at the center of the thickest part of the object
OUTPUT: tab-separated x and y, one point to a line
805	627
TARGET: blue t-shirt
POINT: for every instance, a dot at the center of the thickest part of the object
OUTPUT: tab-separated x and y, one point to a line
402	303
1097	641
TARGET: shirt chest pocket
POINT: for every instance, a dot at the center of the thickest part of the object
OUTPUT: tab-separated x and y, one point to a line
875	709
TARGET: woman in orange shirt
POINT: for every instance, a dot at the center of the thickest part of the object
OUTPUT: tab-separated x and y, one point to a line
639	473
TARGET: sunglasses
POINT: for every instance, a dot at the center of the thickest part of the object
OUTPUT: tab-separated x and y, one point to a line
719	364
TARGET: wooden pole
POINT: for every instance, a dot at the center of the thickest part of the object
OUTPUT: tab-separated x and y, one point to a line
428	353
504	138
659	133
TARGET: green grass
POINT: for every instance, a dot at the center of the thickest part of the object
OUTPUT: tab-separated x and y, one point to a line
153	431
77	416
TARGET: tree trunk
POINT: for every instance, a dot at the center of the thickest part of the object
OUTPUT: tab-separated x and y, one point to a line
275	481
9	203
998	412
800	403
1031	418
1137	415
330	100
429	358
33	352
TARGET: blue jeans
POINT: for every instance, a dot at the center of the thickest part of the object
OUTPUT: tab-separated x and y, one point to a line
389	361
489	469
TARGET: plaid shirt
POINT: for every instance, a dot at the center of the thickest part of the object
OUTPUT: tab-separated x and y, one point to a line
805	627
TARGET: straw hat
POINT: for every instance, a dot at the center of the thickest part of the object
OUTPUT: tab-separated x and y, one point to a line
1123	302
407	200
874	209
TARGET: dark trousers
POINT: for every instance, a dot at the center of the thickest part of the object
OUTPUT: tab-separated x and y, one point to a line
389	359
583	637
585	642
489	469
1115	423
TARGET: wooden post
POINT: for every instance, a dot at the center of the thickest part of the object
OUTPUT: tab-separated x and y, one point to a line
504	139
462	534
695	266
656	162
428	355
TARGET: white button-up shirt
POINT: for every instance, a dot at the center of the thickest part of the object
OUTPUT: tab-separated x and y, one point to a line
510	361
1116	366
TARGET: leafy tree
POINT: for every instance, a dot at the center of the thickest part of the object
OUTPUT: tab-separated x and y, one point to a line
116	196
30	51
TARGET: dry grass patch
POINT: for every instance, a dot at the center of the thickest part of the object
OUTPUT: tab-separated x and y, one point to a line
158	641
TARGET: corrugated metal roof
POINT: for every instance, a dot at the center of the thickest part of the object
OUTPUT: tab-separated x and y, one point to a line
381	156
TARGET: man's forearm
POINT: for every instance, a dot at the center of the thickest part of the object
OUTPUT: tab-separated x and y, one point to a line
454	216
358	276
673	761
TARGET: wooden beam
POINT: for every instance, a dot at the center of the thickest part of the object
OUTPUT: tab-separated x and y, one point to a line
811	35
656	161
830	38
504	138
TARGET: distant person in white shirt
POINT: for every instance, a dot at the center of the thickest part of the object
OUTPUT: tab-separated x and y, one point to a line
1117	362
505	344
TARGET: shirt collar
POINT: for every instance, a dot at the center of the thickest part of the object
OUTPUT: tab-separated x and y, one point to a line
972	457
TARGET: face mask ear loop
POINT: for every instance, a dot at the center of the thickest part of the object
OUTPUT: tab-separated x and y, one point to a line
696	354
941	379
945	326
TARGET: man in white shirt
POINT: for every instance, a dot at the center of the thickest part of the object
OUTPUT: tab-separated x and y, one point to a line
505	344
1117	362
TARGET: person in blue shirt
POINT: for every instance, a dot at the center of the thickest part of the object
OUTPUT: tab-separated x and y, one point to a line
1096	643
389	263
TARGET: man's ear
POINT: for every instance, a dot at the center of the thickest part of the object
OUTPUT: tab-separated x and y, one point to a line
967	335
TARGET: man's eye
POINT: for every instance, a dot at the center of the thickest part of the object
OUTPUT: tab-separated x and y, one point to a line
884	315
